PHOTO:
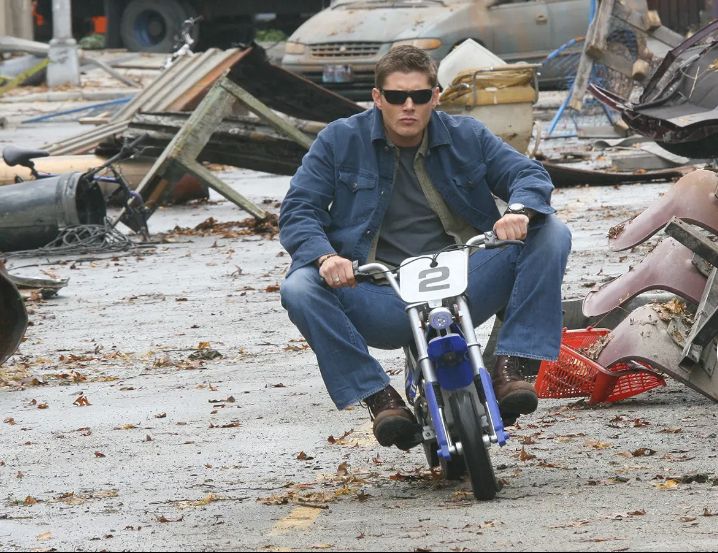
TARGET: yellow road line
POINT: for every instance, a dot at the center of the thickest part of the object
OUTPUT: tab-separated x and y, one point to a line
300	518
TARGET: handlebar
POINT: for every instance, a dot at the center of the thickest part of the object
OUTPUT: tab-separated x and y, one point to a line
487	240
126	151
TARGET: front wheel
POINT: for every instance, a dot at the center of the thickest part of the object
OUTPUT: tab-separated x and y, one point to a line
467	424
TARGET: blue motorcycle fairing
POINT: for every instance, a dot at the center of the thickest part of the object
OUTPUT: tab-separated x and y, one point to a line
449	354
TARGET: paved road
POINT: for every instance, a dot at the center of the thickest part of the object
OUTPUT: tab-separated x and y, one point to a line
245	451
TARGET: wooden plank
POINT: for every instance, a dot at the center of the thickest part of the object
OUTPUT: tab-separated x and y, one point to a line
190	140
181	154
598	32
263	112
213	181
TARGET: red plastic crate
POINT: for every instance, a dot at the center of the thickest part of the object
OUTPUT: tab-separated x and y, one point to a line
575	375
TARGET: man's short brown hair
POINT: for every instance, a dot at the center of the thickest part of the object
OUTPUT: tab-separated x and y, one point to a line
405	59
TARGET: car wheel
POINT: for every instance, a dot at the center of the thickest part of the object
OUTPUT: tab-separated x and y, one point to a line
152	25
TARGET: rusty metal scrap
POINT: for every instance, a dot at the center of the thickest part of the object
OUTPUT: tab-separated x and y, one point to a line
287	92
644	336
692	198
679	105
563	175
668	267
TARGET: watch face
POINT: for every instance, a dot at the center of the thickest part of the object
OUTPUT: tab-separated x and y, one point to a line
516	207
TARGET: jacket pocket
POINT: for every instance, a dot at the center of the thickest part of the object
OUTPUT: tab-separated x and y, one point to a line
471	177
355	181
355	197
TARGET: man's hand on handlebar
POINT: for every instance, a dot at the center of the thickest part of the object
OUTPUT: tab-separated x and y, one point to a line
512	226
337	272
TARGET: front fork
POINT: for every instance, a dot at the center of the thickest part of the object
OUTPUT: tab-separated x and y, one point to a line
432	391
486	389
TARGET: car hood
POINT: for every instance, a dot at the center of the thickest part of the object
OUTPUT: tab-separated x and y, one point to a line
377	21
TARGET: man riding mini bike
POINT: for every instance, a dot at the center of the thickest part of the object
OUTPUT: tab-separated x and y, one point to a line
403	180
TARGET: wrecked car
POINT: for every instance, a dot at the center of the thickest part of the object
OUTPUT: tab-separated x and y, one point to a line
339	47
679	105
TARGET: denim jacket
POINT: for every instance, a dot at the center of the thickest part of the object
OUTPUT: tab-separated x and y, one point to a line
338	197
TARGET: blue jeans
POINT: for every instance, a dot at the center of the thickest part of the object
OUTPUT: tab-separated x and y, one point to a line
339	324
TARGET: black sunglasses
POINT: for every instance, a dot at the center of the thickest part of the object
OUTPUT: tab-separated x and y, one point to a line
398	97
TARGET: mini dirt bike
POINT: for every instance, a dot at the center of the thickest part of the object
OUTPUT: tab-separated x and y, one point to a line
446	380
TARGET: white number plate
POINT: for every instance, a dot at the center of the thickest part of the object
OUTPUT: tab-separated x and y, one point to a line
420	282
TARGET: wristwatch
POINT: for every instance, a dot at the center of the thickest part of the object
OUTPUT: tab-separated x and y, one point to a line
516	209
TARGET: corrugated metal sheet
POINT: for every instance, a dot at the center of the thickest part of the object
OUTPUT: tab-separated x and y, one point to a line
177	81
173	88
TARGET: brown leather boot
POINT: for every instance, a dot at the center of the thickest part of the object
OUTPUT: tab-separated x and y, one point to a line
394	424
515	395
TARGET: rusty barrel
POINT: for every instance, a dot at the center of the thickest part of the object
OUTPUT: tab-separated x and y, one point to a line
33	213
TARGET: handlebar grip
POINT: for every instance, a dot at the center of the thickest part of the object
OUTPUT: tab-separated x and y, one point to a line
360	276
493	242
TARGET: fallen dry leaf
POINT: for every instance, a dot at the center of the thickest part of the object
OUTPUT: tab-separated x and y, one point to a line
597	444
643	452
671	430
332	440
30	500
99	454
667	485
525	455
42	405
44	536
82	401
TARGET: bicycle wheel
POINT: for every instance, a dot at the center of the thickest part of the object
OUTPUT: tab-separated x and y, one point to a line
467	424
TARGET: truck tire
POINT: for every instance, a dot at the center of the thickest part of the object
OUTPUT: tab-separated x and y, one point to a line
152	25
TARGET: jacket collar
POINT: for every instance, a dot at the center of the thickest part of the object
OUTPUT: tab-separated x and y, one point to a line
438	133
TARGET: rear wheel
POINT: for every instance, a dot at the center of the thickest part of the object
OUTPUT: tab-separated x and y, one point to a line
467	424
152	25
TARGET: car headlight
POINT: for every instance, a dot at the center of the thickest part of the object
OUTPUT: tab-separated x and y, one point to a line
294	48
423	43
